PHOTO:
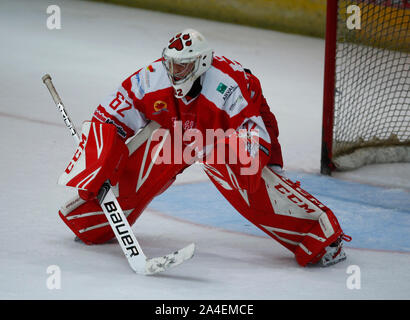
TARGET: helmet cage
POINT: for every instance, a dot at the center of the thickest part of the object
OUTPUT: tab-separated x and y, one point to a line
183	75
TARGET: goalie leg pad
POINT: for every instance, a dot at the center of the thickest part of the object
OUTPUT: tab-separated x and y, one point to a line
312	247
88	221
283	210
324	231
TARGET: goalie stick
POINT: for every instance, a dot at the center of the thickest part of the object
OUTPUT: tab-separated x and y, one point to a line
113	212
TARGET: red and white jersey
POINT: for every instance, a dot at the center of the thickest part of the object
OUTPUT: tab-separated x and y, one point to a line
225	102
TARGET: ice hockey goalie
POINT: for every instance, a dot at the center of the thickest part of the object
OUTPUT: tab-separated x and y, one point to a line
193	106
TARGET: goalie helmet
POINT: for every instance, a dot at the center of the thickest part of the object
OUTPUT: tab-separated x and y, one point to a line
186	57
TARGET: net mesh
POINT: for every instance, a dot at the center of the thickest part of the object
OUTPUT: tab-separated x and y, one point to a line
372	101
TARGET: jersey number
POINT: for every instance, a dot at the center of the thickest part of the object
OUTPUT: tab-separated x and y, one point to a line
119	99
236	66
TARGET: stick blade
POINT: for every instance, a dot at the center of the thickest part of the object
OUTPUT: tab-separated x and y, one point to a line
160	264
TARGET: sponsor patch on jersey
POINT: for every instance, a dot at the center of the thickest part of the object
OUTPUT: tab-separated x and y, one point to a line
238	102
238	105
221	88
160	106
120	129
147	79
139	86
264	150
229	92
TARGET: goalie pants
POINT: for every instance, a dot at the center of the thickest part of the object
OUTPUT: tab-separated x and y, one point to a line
279	207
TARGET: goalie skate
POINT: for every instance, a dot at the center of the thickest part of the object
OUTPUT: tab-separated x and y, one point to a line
334	253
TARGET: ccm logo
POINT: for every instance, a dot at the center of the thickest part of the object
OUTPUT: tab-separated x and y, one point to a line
122	230
294	199
77	154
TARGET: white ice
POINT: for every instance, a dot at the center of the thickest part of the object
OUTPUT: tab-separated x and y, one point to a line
97	47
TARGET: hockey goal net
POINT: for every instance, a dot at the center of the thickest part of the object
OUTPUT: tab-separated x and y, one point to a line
366	105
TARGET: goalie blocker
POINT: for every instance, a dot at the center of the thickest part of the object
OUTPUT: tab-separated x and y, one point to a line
101	155
279	207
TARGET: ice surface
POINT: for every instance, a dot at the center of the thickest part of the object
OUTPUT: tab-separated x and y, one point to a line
98	46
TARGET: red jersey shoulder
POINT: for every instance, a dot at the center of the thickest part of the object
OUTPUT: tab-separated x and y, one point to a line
232	69
225	88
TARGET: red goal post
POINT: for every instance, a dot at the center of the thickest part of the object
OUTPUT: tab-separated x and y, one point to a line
366	100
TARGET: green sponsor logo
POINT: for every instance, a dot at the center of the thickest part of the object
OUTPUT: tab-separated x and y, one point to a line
221	88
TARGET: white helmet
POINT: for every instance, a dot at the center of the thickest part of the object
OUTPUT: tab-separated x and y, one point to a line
186	57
